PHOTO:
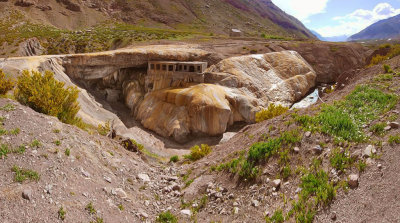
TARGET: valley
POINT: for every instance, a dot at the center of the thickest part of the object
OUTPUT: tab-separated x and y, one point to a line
174	111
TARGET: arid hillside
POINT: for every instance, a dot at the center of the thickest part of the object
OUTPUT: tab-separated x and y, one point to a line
208	16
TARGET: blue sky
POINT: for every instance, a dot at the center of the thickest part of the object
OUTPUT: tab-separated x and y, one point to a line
339	17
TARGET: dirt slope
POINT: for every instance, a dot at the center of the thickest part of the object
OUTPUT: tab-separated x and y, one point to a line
209	16
96	170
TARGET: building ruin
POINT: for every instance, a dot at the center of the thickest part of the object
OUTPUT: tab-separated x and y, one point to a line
165	74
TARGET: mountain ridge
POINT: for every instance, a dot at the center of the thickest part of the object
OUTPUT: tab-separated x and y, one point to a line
383	29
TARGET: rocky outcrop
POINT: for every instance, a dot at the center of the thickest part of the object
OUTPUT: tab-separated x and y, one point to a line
329	60
201	109
31	47
282	77
237	88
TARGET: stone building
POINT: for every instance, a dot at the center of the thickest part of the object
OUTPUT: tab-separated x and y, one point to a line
165	74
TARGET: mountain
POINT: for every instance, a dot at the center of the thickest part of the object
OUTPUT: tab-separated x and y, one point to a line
252	17
384	29
331	38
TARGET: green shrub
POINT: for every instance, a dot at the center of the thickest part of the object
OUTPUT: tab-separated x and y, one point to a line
198	152
387	69
271	112
361	165
378	128
384	77
174	159
61	213
6	84
166	217
286	172
104	129
277	217
4	151
394	139
340	160
317	184
90	208
45	94
23	174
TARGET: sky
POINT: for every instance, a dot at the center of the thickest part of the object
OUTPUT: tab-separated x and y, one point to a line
339	17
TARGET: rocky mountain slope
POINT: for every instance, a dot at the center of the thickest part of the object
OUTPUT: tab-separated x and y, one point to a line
208	16
383	30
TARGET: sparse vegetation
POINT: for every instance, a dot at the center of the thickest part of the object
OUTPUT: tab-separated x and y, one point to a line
45	94
271	112
57	142
277	217
104	129
61	213
378	128
340	160
387	69
361	165
393	52
67	152
35	143
343	119
4	151
15	131
7	108
90	208
22	174
394	139
174	159
167	217
6	84
121	207
198	152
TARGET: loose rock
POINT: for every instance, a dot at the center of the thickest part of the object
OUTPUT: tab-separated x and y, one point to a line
27	194
353	181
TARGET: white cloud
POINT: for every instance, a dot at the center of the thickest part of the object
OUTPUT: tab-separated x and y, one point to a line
358	20
302	9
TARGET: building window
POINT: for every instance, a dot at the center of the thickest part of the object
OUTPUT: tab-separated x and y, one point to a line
151	66
185	68
164	67
180	68
191	69
158	66
171	68
199	68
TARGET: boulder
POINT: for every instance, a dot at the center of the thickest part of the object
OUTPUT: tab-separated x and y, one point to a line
281	77
353	181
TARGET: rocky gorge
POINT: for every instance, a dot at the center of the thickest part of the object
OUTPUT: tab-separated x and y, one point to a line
235	87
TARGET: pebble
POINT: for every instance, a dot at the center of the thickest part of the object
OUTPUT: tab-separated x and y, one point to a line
388	128
369	151
144	177
235	210
308	134
27	194
333	216
353	181
394	125
296	149
186	212
255	203
276	183
108	179
317	149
